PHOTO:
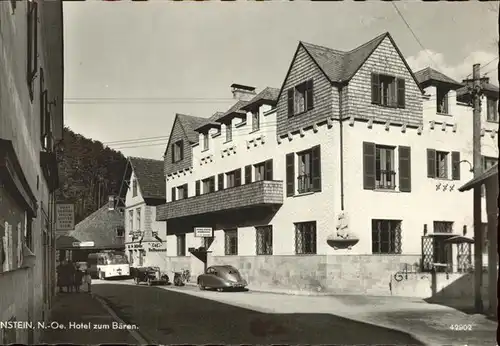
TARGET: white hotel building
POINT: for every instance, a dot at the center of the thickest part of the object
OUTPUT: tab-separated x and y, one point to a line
340	177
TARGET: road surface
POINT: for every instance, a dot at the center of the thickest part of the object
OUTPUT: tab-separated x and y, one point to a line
170	316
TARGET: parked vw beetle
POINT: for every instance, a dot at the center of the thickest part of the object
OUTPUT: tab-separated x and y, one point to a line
221	277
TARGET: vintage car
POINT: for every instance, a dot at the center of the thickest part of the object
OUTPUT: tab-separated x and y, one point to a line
221	277
150	275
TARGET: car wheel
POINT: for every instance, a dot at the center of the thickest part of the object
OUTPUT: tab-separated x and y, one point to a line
150	282
102	276
136	279
220	290
201	287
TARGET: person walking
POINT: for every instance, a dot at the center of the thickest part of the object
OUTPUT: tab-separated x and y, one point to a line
78	279
70	275
87	282
61	268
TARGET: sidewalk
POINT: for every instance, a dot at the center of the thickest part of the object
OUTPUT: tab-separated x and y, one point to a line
74	317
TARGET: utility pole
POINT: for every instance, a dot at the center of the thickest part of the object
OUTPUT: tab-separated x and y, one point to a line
478	169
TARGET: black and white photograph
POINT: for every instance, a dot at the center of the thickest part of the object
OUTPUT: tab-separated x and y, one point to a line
251	172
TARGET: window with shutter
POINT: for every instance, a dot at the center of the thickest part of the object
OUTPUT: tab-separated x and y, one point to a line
431	163
237	177
316	168
220	181
401	92
375	89
455	165
268	175
290	102
177	151
248	174
197	188
310	95
260	171
173	194
369	166
404	169
385	174
290	174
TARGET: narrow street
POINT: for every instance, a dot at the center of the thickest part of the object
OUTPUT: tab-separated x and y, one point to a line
178	315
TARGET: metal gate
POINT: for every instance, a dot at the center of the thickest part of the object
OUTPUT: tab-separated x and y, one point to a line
427	253
464	260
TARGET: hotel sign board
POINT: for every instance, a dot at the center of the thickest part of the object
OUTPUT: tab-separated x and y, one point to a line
83	244
65	217
203	232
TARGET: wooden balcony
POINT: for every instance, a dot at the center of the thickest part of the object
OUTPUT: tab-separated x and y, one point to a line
256	194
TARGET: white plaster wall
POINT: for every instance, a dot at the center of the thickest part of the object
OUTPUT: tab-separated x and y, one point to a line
317	207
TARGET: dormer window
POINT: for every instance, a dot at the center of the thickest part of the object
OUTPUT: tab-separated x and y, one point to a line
300	98
205	141
229	132
492	110
442	101
255	120
120	232
388	91
177	151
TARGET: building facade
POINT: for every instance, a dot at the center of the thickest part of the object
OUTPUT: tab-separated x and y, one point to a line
332	182
102	230
31	124
145	238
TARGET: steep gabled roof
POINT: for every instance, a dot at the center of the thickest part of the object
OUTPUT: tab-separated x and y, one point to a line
190	123
428	74
268	94
99	227
339	66
151	177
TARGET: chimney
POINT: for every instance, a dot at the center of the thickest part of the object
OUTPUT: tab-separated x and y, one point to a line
111	203
242	92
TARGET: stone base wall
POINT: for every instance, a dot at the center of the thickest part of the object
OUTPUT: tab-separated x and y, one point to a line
359	274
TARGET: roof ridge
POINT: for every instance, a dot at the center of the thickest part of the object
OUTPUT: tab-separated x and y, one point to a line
321	46
369	42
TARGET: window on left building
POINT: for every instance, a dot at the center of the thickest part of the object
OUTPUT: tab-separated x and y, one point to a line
305	238
32	51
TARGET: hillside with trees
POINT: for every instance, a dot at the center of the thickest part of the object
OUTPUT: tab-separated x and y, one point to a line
88	173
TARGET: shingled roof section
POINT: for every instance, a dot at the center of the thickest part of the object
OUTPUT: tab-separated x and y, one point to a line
190	123
236	108
99	227
268	94
428	74
341	66
151	177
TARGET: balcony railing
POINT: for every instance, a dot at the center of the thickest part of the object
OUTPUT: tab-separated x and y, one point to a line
259	193
386	180
304	183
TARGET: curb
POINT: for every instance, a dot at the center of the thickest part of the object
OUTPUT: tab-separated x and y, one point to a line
135	334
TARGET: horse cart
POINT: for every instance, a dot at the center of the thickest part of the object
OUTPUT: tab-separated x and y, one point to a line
150	275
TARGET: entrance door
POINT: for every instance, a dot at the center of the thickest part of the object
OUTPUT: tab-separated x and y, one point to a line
442	253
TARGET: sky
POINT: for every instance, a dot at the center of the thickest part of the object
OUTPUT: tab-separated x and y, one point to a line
131	66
